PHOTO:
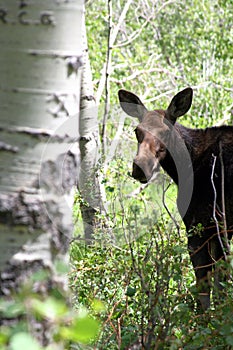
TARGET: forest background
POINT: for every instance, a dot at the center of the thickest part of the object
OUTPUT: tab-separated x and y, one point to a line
137	277
133	287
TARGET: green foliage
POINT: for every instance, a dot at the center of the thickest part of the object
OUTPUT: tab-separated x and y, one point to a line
26	308
147	291
162	47
23	340
138	270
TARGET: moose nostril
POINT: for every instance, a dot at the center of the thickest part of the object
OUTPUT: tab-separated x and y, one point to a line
138	173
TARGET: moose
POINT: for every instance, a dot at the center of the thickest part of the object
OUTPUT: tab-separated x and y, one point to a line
200	162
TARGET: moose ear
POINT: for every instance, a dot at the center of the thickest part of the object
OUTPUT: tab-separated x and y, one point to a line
180	104
131	104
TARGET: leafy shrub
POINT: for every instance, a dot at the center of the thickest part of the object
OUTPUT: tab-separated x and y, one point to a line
27	309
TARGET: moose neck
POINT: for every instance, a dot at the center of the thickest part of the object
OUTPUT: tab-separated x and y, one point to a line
178	165
178	162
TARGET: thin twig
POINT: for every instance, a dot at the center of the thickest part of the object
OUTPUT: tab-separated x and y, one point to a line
207	241
226	115
135	34
107	75
111	43
214	205
166	207
223	200
136	74
120	21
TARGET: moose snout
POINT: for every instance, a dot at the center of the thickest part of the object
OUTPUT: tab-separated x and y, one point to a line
138	173
144	168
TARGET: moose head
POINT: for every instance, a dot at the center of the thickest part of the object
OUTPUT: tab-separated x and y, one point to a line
154	130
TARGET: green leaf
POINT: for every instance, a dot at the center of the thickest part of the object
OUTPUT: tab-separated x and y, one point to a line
229	340
98	305
11	309
110	189
40	275
130	291
61	267
50	308
83	330
23	341
4	335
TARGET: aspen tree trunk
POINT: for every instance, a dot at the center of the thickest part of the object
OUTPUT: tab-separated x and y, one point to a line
40	56
89	181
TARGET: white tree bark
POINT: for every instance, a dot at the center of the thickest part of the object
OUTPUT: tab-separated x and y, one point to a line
89	180
40	56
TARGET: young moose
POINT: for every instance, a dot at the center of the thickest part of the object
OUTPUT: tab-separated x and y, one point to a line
200	161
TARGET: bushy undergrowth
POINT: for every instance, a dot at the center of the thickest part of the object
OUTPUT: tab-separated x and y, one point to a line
146	291
42	302
140	275
138	272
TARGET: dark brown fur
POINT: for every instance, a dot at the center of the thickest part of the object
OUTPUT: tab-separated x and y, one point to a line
191	157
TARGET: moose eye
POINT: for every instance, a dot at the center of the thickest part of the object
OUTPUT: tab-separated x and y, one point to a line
159	152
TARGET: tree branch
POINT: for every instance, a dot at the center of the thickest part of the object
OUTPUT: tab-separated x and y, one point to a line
107	76
135	34
214	205
223	200
111	43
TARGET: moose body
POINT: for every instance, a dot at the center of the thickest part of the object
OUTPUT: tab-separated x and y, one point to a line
200	161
